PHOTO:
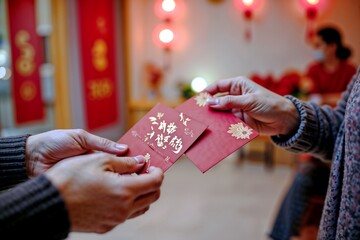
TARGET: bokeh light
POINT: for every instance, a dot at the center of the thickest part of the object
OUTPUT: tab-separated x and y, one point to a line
198	84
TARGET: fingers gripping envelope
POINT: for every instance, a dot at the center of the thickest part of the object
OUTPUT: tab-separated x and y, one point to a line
225	133
204	135
162	136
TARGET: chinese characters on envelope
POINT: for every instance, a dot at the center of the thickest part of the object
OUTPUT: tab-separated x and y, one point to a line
205	136
162	136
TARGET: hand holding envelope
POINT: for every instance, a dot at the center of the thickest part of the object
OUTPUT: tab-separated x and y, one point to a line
204	135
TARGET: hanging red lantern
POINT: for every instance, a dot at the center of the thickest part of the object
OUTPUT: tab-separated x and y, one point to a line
247	7
164	34
312	8
164	37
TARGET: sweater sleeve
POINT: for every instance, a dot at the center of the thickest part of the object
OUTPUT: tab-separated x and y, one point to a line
12	161
33	210
318	127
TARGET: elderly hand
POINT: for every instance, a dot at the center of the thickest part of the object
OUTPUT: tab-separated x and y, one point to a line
46	149
261	109
99	191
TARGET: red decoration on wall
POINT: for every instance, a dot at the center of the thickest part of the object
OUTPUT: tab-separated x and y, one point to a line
27	55
164	34
166	9
312	8
247	7
97	53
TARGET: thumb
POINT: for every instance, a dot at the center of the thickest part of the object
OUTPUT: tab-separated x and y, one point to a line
230	102
93	142
125	165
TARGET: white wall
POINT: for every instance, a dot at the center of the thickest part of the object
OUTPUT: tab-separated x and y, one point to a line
213	44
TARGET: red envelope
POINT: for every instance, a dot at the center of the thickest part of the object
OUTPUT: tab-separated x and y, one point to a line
162	136
225	133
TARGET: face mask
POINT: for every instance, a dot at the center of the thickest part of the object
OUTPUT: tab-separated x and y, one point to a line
319	55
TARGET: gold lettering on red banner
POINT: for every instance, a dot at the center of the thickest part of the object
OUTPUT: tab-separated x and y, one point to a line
100	89
99	55
97	38
25	64
27	91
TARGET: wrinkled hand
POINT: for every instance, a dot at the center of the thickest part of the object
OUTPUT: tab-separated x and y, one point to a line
46	149
263	110
97	196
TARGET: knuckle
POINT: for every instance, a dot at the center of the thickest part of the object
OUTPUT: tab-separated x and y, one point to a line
105	142
130	163
80	132
251	98
125	198
227	101
241	79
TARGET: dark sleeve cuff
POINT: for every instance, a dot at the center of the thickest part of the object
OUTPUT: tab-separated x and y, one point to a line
12	161
33	210
305	137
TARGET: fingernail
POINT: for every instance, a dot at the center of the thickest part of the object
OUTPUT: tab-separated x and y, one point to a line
121	147
212	101
140	159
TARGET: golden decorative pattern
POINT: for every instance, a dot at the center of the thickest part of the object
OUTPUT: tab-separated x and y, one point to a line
240	131
27	91
147	161
99	55
25	63
100	89
201	99
147	157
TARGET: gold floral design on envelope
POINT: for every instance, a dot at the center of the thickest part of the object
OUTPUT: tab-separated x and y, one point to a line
202	98
240	131
147	157
147	161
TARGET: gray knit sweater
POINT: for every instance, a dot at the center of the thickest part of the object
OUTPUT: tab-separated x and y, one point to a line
334	134
29	208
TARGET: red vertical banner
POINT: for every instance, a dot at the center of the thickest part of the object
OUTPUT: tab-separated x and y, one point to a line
26	56
96	23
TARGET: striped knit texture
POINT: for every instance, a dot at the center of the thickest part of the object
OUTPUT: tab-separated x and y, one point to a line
334	134
33	210
12	161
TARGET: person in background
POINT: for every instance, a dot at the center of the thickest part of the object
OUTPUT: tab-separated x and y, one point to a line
53	183
331	134
332	71
329	75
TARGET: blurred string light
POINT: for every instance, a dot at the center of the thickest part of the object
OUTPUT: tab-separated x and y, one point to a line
5	73
198	84
164	33
313	2
168	5
166	36
248	2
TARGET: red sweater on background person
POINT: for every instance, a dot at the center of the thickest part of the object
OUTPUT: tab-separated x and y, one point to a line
325	81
